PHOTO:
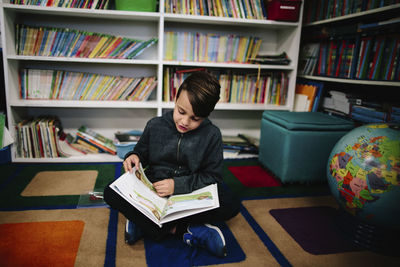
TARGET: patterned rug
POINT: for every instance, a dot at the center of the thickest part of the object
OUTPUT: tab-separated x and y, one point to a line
47	219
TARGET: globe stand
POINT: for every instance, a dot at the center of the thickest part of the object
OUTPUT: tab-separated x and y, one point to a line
368	236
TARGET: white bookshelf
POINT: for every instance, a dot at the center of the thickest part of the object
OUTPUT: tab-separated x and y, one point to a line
377	14
107	117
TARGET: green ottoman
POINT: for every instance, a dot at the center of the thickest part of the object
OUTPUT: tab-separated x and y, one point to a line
295	146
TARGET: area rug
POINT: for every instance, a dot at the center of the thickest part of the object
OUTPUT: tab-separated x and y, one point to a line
279	225
291	250
254	176
35	186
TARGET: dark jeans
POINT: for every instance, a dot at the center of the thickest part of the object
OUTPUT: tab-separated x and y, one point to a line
229	207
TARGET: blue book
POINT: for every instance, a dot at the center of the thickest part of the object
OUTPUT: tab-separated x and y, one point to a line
318	97
363	118
396	110
67	42
354	61
370	112
43	42
57	40
81	37
394	118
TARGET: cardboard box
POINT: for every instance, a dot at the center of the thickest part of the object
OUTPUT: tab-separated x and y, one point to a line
283	10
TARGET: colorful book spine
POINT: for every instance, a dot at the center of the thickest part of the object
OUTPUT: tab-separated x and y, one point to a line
67	85
64	42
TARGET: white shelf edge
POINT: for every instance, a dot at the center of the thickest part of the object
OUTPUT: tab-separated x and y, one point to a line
350	81
84	12
85	60
169	17
227	65
237	106
83	104
354	15
101	157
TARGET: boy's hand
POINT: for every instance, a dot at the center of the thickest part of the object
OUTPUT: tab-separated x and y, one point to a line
165	187
129	162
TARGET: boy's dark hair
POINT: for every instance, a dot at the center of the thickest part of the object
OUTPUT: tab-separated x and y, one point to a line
203	92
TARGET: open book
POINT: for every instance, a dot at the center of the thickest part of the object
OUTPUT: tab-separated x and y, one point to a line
139	191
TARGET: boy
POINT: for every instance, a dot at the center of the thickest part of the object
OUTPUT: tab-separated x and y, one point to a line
183	152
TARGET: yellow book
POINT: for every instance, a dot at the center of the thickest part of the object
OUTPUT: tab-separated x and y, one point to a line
138	89
219	8
165	87
242	48
249	49
29	41
103	86
106	94
98	93
142	92
99	45
123	87
87	146
111	46
116	89
95	87
93	77
256	48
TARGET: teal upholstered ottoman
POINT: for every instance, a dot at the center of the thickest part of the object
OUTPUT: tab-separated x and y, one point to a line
295	146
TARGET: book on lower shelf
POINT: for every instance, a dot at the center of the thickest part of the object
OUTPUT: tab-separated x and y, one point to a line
69	85
97	140
237	86
136	188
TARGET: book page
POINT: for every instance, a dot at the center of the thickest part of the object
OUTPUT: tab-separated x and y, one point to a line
183	205
140	195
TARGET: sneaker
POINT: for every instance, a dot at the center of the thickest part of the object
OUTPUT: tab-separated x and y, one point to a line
206	236
132	232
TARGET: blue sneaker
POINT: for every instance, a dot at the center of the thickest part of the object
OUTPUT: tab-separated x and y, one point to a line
206	236
132	233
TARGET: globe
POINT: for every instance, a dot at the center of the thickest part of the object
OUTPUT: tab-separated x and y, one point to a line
364	174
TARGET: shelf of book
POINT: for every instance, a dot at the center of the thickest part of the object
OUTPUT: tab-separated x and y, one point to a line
277	37
357	15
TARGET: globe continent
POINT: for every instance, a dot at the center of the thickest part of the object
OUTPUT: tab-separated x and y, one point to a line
364	174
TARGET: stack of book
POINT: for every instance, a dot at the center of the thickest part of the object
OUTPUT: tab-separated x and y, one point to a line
236	86
336	102
280	59
394	114
245	9
368	114
39	138
308	96
64	42
308	58
68	85
91	4
210	47
96	140
240	144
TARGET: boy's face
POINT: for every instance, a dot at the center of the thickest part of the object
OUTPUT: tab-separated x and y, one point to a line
184	118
